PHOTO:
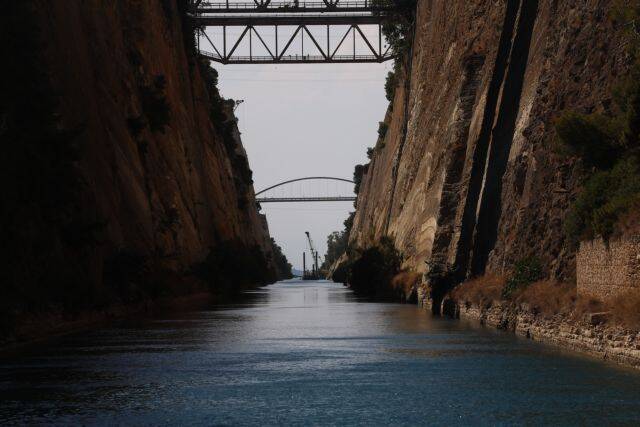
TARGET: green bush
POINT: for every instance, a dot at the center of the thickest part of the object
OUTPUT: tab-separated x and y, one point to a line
607	195
525	272
370	151
390	85
398	27
358	173
608	147
594	138
382	129
373	270
341	273
281	262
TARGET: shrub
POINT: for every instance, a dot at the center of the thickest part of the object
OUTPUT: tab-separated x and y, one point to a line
525	272
341	273
382	129
406	281
390	85
593	138
482	291
281	262
625	310
370	152
606	198
548	297
372	272
398	28
336	246
609	146
358	173
584	305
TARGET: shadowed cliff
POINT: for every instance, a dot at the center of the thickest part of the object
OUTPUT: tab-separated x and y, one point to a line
123	175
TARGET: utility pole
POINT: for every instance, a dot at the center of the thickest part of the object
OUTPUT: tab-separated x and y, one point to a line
304	264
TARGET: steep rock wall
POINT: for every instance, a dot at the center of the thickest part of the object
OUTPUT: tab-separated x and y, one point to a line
468	179
103	195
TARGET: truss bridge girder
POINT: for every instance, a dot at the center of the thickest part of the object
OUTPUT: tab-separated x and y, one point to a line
317	51
303	46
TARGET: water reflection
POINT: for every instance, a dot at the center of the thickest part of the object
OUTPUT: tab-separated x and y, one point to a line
310	353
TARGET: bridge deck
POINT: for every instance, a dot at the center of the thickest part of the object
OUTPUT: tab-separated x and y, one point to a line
290	7
287	19
304	199
296	59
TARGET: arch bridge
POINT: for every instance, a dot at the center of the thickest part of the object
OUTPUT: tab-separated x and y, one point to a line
355	44
304	198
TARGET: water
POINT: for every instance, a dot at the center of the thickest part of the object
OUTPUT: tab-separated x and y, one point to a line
311	354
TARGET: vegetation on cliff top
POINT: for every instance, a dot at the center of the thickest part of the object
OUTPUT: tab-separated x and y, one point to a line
608	146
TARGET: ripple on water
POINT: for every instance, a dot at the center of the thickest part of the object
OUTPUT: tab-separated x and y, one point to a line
310	354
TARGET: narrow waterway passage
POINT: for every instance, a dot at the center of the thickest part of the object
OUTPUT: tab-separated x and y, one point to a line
310	353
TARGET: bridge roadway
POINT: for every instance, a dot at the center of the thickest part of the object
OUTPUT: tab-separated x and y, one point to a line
209	8
303	199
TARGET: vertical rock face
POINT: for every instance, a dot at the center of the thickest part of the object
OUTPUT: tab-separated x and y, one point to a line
124	181
468	180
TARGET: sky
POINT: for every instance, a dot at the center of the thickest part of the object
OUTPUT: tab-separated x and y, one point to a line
301	120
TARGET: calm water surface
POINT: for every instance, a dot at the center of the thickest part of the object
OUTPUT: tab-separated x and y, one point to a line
311	354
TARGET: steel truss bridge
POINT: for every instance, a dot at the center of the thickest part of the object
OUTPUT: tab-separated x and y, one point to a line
305	199
254	17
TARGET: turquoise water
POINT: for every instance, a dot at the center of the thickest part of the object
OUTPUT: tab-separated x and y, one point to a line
310	354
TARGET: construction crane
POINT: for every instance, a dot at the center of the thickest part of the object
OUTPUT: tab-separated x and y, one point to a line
314	257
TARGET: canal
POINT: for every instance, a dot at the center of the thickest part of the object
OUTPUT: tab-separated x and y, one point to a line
310	353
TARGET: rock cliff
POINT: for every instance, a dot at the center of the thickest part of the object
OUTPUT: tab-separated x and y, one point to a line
122	169
467	179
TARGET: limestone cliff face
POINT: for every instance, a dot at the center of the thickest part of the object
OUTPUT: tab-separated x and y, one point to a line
468	179
116	185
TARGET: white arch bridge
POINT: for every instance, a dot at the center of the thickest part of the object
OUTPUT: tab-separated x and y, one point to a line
274	194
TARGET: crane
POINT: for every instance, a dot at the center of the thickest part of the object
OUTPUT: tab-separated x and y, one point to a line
314	256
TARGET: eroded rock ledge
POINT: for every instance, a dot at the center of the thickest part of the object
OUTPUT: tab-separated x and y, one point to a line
586	336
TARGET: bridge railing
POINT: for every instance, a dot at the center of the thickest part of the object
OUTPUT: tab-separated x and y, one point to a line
304	199
218	7
293	58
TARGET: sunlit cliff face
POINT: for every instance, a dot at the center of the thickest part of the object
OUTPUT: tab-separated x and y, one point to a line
467	177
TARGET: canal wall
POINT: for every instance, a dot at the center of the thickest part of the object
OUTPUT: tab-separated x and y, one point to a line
466	180
123	174
607	270
587	335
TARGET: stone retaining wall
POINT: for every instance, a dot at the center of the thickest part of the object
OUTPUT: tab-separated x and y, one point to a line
607	270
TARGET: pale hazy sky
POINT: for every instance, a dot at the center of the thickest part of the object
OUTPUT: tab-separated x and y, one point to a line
305	120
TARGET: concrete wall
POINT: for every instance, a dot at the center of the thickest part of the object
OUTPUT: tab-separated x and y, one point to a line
607	270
